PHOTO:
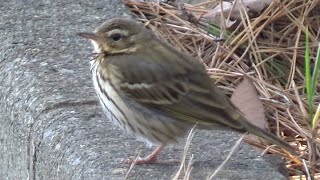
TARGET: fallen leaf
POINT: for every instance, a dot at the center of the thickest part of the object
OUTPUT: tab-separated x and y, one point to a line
233	10
246	98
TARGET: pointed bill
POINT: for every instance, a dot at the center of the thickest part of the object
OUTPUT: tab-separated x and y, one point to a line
86	35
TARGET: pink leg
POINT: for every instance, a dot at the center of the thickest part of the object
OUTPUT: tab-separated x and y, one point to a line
151	158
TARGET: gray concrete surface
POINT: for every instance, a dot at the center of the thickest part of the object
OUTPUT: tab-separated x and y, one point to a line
51	126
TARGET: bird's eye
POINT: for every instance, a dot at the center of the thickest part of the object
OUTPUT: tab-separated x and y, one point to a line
116	36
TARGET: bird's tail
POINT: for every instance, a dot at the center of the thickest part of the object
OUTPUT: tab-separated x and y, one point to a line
269	137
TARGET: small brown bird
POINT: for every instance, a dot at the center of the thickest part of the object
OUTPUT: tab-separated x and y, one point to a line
155	92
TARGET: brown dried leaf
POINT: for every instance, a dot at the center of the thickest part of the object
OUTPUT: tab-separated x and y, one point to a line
245	97
233	9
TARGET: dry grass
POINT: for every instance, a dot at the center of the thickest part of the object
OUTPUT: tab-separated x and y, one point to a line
185	168
268	48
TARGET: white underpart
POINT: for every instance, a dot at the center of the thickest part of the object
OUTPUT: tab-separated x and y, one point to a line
106	103
111	107
108	106
96	47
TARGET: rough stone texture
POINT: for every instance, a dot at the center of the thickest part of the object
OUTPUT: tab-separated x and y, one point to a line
51	126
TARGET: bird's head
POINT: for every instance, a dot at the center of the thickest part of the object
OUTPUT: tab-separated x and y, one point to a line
117	36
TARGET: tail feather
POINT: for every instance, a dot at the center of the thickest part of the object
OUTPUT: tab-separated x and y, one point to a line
269	137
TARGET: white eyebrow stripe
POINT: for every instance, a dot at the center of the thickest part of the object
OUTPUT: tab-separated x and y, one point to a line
120	31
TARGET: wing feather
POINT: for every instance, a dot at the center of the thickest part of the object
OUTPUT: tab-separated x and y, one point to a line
178	89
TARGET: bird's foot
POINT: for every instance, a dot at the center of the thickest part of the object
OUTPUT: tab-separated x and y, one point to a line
151	158
139	160
148	160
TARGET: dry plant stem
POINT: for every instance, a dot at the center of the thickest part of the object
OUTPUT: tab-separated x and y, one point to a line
184	156
294	60
277	123
306	169
250	34
241	38
259	85
130	169
301	131
184	23
189	169
285	124
313	154
228	157
297	22
300	103
274	151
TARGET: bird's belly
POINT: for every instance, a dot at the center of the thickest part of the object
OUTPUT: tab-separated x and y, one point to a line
154	127
143	123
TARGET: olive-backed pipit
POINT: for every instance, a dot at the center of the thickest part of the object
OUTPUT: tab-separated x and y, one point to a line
155	92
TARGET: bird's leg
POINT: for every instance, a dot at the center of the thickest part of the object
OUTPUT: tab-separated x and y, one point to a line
151	158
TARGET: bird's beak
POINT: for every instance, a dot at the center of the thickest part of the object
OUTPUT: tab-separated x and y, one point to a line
86	35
